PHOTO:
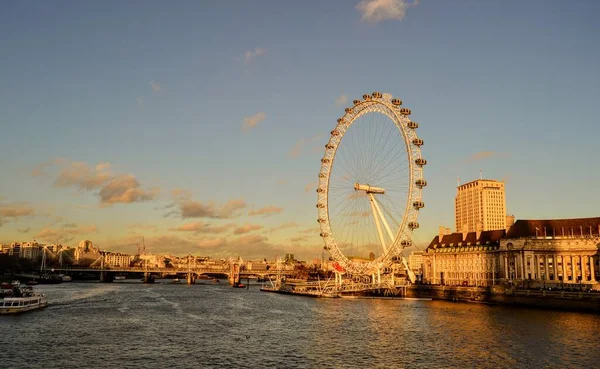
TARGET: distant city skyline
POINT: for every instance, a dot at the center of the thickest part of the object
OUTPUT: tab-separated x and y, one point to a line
200	126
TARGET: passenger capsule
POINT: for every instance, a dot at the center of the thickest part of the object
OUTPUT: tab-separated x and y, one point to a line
341	121
413	125
325	160
320	190
330	146
418	205
421	183
366	97
417	142
348	110
321	220
396	102
420	162
326	247
377	95
324	235
413	225
322	175
335	133
405	243
405	111
356	102
320	206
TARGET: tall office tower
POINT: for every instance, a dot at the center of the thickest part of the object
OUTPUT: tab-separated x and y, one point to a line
480	205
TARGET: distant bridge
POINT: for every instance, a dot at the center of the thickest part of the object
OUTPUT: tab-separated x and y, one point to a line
191	271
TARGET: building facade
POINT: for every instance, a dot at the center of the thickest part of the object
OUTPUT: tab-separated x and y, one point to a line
480	205
415	262
530	252
117	259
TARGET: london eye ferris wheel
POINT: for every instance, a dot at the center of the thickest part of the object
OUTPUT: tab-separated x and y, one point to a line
370	184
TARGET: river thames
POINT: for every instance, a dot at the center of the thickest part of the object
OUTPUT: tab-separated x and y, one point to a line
132	325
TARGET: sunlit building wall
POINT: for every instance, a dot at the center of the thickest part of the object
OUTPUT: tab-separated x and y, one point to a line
480	205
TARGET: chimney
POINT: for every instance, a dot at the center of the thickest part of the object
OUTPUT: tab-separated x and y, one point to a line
441	232
465	232
510	220
478	230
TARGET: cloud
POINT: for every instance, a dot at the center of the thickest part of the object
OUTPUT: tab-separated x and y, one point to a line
125	189
486	154
251	121
150	227
70	225
188	208
64	235
281	181
247	228
312	230
310	186
156	87
39	170
202	228
299	239
102	166
283	226
195	209
251	55
302	143
114	188
342	100
248	246
79	174
15	210
24	230
266	211
373	11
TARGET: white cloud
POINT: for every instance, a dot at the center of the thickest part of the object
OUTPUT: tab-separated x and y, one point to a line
156	87
342	100
373	11
253	120
251	55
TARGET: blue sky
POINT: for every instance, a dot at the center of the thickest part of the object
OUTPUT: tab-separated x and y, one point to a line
107	108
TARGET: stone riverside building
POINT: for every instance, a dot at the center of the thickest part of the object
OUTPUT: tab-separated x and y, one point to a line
549	252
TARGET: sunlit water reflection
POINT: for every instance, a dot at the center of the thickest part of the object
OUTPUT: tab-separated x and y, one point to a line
132	325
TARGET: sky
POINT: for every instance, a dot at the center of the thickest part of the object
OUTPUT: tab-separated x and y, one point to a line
198	127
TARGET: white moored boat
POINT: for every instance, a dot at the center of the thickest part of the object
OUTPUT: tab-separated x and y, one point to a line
22	299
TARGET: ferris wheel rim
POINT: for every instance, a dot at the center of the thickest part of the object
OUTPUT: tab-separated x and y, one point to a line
383	104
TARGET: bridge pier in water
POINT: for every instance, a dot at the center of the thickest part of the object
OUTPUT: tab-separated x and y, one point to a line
106	277
191	278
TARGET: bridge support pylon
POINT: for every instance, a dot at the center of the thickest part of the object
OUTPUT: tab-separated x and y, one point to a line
191	279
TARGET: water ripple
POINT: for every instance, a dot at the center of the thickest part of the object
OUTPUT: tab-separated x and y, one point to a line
125	325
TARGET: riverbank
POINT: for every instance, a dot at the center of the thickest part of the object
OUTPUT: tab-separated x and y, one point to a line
538	298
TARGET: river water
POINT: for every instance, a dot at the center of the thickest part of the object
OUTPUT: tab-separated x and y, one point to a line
132	325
